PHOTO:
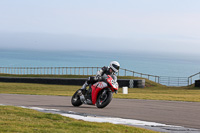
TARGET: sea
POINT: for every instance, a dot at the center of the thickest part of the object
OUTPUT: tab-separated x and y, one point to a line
160	64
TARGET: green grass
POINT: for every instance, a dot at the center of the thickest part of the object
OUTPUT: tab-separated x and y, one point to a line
15	119
37	89
154	92
191	94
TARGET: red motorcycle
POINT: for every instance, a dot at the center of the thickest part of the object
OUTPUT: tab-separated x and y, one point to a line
99	93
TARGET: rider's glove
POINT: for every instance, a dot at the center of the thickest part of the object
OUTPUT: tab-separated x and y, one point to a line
96	78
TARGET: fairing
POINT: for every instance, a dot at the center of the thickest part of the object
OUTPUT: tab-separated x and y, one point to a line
97	87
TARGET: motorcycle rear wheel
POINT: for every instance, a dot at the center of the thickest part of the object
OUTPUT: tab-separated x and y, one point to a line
103	101
75	100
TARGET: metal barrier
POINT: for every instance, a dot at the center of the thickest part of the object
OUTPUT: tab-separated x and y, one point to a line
173	81
49	70
137	74
70	71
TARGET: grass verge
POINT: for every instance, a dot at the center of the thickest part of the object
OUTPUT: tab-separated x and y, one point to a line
15	119
154	92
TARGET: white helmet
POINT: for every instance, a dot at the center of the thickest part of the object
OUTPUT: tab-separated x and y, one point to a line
114	65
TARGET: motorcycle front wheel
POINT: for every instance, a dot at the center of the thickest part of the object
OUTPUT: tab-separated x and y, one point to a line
104	99
75	100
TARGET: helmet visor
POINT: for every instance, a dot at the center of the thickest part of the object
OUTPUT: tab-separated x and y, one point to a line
115	66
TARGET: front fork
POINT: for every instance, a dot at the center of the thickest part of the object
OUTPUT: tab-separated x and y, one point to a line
104	93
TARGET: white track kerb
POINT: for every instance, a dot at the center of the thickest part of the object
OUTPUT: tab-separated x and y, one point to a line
137	123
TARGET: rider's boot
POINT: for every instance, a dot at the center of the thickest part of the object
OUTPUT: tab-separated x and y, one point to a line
82	98
89	102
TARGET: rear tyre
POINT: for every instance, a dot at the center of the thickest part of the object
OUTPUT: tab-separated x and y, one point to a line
104	100
76	101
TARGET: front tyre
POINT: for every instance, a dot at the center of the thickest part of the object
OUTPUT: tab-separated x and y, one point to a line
76	101
104	99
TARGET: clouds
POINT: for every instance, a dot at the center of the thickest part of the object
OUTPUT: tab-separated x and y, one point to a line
140	25
67	42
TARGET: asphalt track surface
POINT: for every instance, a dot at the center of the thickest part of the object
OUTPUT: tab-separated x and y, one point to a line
185	114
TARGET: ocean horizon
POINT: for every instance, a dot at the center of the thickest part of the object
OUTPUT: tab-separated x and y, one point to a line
160	64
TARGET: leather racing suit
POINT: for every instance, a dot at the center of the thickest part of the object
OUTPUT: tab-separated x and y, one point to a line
100	76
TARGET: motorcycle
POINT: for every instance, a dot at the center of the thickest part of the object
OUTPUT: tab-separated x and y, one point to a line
99	94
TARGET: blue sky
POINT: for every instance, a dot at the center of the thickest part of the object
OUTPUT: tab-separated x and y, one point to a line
170	26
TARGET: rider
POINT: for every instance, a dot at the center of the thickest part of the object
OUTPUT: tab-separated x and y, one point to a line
111	70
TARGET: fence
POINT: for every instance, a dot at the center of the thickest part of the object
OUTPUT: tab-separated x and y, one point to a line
169	81
173	81
70	71
49	70
125	72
